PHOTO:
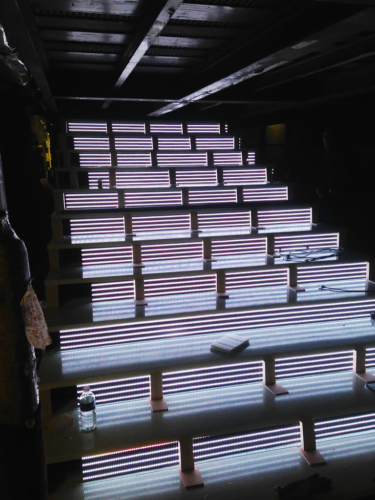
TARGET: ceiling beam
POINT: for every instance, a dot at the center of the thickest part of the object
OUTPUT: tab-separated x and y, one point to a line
302	46
145	99
158	16
20	25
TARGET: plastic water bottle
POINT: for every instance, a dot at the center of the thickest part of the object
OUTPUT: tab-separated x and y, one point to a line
87	407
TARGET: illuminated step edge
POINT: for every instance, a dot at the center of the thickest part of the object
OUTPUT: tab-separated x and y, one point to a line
233	321
198	178
170	285
140	127
339	427
114	391
157	456
109	199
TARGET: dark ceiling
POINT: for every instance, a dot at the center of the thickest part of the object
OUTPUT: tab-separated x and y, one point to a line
202	58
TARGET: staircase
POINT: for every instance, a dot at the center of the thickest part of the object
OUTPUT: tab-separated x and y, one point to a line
166	237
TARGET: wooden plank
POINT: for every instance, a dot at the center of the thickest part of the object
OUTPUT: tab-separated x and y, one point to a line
157	17
220	13
119	7
219	419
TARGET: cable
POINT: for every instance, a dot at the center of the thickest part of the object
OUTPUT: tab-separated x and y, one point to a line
310	255
331	289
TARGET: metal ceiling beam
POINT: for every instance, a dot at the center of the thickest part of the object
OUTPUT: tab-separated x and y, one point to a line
310	42
19	23
158	16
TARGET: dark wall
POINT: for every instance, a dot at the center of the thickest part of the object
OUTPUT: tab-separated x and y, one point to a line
329	154
29	203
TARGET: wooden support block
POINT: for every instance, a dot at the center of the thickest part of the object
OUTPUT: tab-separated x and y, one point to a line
308	442
194	221
59	201
220	285
185	196
359	360
313	457
207	250
121	198
112	178
220	176
57	228
128	223
240	195
52	295
172	177
192	478
189	474
276	389
46	405
139	292
54	258
137	255
157	401
366	376
73	179
292	272
269	378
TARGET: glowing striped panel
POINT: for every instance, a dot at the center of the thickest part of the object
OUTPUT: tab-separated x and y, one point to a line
97	227
114	391
221	248
89	201
228	158
107	255
87	127
129	128
265	194
153	199
318	273
225	219
133	143
339	427
171	251
134	160
91	143
245	176
161	223
224	322
212	196
250	279
182	160
212	447
134	460
166	128
95	177
175	285
284	217
199	128
314	364
118	290
251	158
95	159
174	143
370	358
142	179
207	143
196	178
212	377
306	241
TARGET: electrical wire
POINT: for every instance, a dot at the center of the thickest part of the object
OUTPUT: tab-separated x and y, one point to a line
332	289
310	255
